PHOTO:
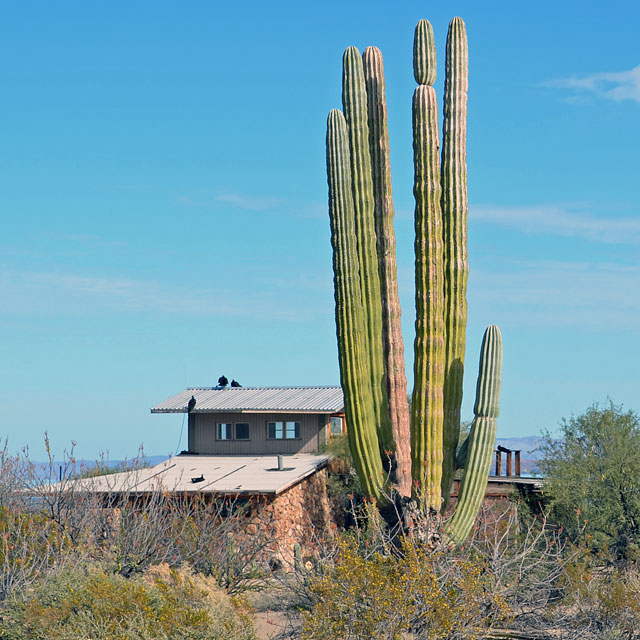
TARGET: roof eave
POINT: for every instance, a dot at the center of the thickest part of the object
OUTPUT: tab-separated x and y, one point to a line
265	411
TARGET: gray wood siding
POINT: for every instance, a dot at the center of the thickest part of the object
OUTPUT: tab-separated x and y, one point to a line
203	429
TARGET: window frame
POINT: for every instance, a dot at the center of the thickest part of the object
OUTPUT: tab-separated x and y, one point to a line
296	429
334	420
233	437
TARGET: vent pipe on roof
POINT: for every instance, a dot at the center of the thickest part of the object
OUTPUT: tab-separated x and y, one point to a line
280	465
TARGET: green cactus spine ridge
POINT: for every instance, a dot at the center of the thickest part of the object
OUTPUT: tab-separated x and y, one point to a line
426	406
454	213
424	54
350	322
393	345
482	437
354	99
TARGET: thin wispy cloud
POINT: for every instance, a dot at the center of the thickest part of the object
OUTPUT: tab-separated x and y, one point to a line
312	211
561	220
612	85
251	203
532	294
559	294
79	295
113	287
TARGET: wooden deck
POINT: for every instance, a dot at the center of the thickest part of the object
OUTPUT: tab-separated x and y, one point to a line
503	487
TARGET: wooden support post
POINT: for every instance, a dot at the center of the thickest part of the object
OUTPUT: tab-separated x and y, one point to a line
498	463
518	468
509	465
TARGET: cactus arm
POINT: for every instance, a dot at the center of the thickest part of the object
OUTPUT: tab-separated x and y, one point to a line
356	384
426	405
482	437
354	99
393	345
424	54
454	214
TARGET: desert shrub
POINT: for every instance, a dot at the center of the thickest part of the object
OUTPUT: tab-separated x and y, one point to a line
211	537
525	558
162	604
599	604
102	467
30	544
416	589
592	474
120	528
163	528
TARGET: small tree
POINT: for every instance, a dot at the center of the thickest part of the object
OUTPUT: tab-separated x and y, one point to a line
593	479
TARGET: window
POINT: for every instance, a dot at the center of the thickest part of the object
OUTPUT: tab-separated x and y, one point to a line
242	431
229	431
283	430
225	431
336	425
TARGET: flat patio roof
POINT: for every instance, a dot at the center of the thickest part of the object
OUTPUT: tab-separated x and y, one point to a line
231	475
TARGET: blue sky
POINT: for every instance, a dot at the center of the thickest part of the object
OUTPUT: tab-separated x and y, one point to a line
163	201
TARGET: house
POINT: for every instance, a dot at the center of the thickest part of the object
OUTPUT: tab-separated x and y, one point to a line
260	445
253	452
258	420
284	499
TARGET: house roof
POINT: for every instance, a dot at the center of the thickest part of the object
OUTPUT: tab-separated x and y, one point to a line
231	475
255	400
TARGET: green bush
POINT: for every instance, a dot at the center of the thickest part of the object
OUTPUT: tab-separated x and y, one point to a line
162	604
593	480
416	590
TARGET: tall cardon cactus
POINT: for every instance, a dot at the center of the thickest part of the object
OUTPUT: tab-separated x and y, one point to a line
397	449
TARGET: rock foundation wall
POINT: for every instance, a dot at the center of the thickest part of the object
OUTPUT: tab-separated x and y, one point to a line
300	515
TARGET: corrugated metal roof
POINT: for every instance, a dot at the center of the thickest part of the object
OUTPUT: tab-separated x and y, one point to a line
235	475
255	399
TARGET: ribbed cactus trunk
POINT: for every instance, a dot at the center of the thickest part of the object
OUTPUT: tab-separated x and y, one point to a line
392	343
350	319
454	227
365	279
354	100
482	437
426	405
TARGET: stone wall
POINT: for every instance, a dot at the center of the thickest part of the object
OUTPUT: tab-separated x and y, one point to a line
300	515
